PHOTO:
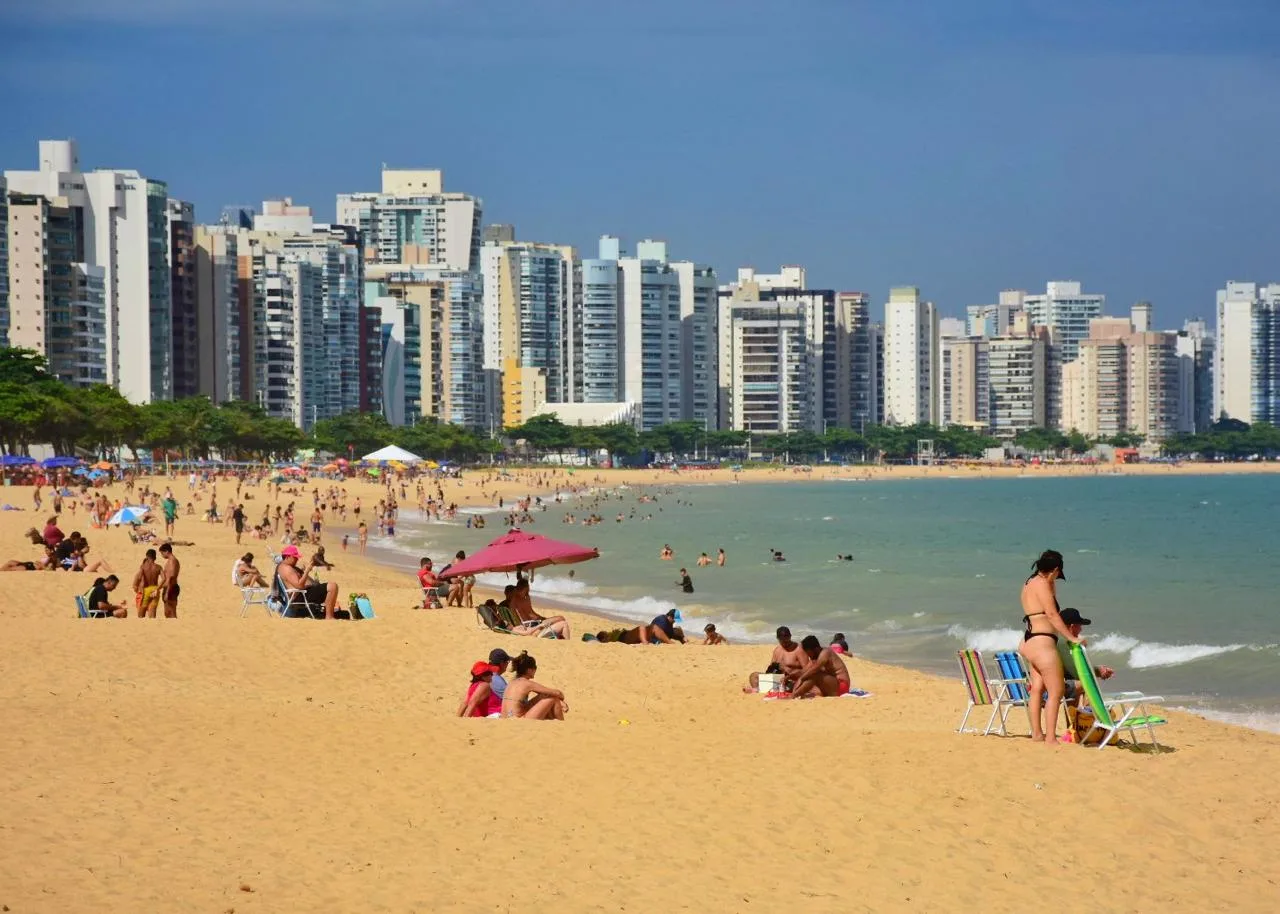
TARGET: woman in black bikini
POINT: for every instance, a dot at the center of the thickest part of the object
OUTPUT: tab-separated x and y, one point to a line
1044	626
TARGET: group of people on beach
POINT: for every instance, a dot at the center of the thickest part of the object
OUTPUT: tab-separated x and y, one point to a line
490	694
807	669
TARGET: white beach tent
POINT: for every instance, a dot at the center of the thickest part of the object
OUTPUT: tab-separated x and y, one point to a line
391	452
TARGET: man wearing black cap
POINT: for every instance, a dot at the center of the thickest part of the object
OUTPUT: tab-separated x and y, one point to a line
499	658
1075	623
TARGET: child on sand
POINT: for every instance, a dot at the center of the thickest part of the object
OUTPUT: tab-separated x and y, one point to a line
713	636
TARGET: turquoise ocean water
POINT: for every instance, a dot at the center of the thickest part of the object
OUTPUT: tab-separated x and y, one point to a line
1176	572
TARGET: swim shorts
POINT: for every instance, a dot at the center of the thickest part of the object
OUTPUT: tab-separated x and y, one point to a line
842	688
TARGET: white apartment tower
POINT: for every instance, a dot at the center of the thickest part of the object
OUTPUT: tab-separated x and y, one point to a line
125	232
912	364
1066	311
856	367
647	333
4	262
412	220
1247	360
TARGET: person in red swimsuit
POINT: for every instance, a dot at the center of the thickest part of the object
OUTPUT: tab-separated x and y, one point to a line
825	676
481	700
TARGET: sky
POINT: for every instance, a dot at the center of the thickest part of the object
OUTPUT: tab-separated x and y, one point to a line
962	146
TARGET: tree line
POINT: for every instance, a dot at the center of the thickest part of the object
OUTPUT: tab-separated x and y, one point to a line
37	408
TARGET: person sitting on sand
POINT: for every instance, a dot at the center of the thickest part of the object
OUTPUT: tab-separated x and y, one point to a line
528	699
839	644
520	603
319	561
52	534
295	578
480	700
98	600
825	676
711	636
788	659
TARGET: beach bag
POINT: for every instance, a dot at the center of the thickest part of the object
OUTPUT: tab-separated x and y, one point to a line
1081	720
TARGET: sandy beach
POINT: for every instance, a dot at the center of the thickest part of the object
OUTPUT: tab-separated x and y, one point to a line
225	764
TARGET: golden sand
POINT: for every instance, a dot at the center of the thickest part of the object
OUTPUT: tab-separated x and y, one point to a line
224	764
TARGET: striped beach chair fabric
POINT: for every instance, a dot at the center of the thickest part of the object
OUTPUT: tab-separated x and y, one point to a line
1000	693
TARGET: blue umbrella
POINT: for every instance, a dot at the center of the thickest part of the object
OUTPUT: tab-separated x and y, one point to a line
16	460
54	463
96	474
128	515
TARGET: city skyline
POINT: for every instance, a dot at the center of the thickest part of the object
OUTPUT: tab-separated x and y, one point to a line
962	151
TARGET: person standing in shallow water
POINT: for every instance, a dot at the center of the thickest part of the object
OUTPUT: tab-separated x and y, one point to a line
1043	626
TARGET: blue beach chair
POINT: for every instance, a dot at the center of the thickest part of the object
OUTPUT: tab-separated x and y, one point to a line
84	612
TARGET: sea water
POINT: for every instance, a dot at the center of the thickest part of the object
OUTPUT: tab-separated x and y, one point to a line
1177	573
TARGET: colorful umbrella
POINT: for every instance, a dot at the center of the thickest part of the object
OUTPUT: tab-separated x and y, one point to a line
516	549
102	465
129	514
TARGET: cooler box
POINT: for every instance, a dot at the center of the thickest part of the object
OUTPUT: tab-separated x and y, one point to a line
770	682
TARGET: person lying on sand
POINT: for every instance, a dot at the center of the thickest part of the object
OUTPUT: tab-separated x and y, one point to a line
662	630
788	659
825	676
525	698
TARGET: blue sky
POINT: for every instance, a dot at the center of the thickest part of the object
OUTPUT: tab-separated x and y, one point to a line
964	146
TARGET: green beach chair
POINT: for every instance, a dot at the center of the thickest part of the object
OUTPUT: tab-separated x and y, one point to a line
1112	714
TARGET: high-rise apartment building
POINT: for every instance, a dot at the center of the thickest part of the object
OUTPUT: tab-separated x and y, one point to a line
1140	315
412	220
57	301
857	368
180	217
647	330
218	315
288	339
1125	382
532	306
965	395
994	320
1066	311
432	343
1017	378
912	358
123	218
1195	360
771	360
1247	358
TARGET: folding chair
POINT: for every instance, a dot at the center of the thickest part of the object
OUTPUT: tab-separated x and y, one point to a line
84	612
289	597
979	687
1124	711
1011	690
255	596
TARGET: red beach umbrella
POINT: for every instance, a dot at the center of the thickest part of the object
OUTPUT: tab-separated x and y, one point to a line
514	549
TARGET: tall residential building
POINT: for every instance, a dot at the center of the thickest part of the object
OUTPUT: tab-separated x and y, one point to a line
1126	382
183	319
57	301
912	358
412	220
432	351
857	368
1017	377
771	357
997	319
965	396
1247	360
647	332
218	317
1140	315
1195	359
125	231
4	262
1066	311
531	321
317	311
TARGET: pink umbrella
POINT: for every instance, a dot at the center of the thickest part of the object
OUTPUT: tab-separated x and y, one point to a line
515	549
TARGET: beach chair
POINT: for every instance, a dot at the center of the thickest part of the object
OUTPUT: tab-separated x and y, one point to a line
84	612
251	596
1123	711
1000	693
502	620
287	598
